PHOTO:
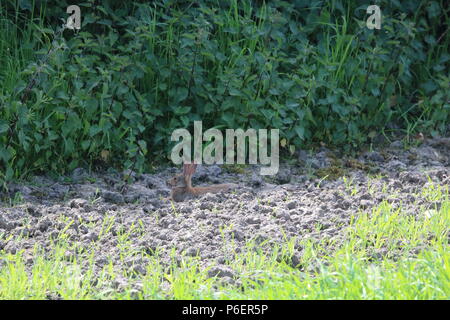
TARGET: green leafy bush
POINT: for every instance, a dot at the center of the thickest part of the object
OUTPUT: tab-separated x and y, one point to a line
114	92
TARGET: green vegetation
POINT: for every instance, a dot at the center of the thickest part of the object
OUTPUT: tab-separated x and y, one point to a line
384	254
112	93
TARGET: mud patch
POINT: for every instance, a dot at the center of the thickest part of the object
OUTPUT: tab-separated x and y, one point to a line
299	202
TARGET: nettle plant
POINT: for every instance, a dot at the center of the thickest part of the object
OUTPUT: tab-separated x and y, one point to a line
112	93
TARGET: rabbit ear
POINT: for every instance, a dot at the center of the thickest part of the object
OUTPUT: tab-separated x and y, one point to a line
189	169
185	168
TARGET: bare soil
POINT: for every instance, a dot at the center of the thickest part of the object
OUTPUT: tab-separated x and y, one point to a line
306	199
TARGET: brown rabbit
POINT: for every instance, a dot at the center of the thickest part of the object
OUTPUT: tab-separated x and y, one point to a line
182	188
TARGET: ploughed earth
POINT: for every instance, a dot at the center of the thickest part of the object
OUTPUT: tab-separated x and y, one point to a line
314	196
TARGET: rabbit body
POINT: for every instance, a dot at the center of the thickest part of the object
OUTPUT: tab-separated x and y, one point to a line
182	188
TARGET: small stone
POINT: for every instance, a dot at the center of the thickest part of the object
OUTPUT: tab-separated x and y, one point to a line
192	252
101	261
374	156
113	197
205	173
139	269
315	164
344	204
397	145
221	260
130	198
428	153
395	165
28	258
253	220
206	206
256	180
78	203
33	211
201	215
4	224
220	272
68	255
91	236
282	214
365	196
44	224
10	247
238	235
365	204
53	234
295	260
79	174
292	205
228	281
120	283
284	176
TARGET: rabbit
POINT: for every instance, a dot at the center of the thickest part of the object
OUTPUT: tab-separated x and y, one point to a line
182	188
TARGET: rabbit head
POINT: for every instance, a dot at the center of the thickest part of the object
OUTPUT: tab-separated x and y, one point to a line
183	180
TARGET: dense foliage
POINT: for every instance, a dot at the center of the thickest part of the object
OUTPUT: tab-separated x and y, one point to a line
113	92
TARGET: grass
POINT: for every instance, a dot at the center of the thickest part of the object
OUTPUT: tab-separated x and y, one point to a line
382	254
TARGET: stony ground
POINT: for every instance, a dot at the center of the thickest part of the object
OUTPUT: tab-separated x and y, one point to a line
314	197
